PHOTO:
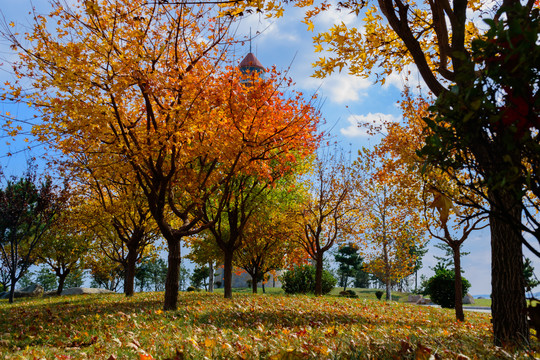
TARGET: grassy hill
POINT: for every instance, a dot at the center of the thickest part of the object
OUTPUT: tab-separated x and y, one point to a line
206	326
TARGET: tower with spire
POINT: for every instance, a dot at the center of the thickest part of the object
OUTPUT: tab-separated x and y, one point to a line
250	67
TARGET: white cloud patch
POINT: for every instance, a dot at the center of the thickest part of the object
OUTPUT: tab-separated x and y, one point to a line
339	88
329	18
355	128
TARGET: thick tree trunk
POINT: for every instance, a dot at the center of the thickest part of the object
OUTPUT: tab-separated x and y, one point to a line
508	288
61	280
458	284
129	280
227	274
318	274
173	271
211	276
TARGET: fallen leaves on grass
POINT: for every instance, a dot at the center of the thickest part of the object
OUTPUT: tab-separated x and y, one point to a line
206	326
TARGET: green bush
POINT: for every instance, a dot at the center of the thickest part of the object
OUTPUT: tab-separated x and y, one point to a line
441	288
379	294
301	280
192	288
348	293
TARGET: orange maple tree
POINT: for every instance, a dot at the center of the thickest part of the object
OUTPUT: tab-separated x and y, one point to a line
142	89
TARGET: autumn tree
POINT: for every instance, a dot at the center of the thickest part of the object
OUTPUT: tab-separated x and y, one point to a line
28	207
118	216
161	106
391	219
266	244
64	246
203	250
228	215
450	214
454	239
327	214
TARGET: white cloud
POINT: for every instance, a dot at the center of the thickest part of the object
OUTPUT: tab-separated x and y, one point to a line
329	18
338	88
355	130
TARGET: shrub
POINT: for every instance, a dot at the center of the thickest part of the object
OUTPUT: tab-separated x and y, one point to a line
191	288
379	294
348	293
301	280
441	289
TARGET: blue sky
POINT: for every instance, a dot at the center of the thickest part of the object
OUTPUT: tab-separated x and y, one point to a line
285	42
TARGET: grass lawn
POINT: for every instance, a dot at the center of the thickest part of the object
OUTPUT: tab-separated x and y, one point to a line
206	326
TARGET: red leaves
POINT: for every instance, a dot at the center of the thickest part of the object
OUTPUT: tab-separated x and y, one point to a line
518	112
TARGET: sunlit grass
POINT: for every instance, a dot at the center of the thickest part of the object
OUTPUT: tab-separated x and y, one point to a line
206	326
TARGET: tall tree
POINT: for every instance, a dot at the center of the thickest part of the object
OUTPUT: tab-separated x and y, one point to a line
161	106
28	207
327	215
391	219
266	236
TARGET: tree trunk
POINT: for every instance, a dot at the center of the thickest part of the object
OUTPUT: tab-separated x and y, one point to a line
129	280
211	276
254	281
318	274
387	279
458	283
12	290
173	271
61	280
227	274
508	287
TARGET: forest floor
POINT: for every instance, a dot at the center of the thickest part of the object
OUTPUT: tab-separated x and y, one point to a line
206	326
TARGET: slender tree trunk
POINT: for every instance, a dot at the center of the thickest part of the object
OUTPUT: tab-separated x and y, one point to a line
173	272
318	274
211	276
227	274
129	280
458	283
254	281
12	273
508	286
387	279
